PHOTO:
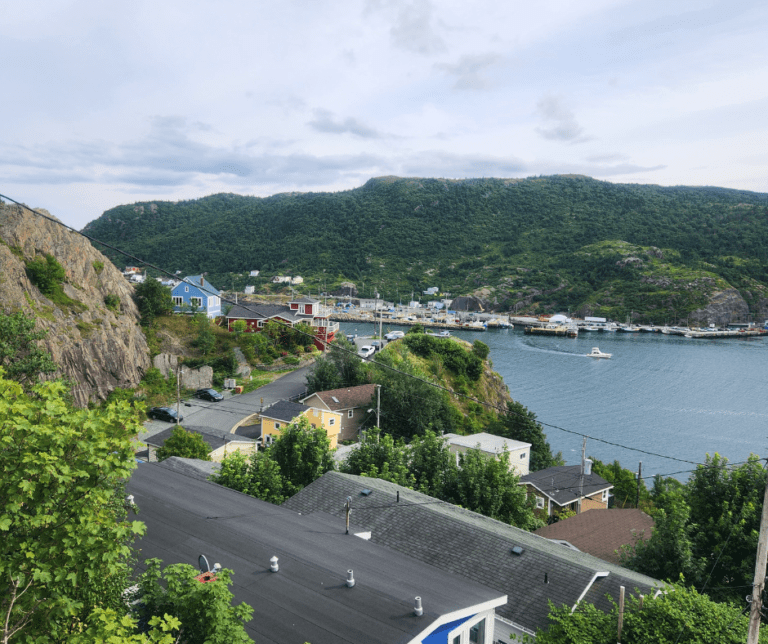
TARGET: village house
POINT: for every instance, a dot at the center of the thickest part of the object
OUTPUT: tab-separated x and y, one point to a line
269	423
352	403
492	446
298	310
221	442
560	488
195	294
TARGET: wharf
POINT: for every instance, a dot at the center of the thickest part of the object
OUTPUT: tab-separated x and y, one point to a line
451	326
741	333
560	331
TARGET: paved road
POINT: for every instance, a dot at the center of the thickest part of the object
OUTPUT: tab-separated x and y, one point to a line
230	411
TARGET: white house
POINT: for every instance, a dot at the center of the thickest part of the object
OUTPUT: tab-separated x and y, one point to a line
492	446
249	290
254	274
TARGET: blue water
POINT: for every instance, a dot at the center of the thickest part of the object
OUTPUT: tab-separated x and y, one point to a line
673	396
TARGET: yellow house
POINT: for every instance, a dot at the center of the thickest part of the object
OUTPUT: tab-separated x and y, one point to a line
284	412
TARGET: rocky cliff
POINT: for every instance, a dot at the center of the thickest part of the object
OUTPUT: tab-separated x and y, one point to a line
97	347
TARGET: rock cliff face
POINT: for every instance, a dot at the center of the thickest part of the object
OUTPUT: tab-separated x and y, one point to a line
724	307
95	347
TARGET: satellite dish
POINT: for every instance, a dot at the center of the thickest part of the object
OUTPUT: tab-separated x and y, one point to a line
202	563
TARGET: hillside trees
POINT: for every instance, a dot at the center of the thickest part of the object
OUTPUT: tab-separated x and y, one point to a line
20	355
152	299
519	423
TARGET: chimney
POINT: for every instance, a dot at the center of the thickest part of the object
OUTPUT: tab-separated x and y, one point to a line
273	564
417	609
202	281
350	579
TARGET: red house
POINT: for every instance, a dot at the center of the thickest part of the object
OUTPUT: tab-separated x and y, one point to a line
303	309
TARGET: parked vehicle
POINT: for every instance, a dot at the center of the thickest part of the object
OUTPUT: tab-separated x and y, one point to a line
394	335
209	394
366	352
377	345
167	414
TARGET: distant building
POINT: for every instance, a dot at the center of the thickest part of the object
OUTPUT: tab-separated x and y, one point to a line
195	293
249	290
352	403
492	446
432	290
558	488
254	274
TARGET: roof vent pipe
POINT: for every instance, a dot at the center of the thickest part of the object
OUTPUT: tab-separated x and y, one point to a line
417	609
350	579
273	564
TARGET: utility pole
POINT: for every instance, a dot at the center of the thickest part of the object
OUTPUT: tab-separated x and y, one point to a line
758	585
639	478
581	478
378	406
178	392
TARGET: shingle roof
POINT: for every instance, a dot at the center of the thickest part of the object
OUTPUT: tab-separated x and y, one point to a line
601	532
206	286
284	410
347	397
261	311
562	483
488	442
307	599
244	312
471	545
304	300
192	467
214	437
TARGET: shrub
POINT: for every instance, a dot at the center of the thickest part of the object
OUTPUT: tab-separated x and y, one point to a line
98	267
112	302
46	273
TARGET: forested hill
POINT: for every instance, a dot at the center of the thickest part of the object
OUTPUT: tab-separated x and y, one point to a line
539	244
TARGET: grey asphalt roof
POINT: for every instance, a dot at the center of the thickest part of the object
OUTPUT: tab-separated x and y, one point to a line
284	410
562	483
214	437
192	467
471	545
488	442
260	311
307	600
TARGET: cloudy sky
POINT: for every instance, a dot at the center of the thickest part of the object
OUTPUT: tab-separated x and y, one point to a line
108	103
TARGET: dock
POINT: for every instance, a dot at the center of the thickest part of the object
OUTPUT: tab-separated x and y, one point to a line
559	331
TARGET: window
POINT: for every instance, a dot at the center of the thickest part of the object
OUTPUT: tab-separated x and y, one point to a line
178	300
277	425
457	639
196	301
186	289
477	633
331	421
539	503
522	455
605	495
350	413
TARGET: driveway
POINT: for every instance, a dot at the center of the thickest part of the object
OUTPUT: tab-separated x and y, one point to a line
229	412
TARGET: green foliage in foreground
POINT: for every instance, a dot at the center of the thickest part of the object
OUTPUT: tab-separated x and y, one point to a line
681	615
184	444
64	532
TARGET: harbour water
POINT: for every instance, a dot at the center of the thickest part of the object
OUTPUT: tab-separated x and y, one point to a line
669	395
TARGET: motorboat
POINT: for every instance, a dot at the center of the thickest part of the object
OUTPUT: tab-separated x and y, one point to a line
596	353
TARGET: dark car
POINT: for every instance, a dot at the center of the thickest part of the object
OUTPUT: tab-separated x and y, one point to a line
164	413
209	394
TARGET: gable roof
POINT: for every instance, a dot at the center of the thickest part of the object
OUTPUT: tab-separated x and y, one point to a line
562	482
206	286
214	437
307	599
284	410
346	397
304	300
473	546
488	442
244	312
601	533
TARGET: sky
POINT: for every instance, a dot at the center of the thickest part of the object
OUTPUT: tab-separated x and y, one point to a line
106	104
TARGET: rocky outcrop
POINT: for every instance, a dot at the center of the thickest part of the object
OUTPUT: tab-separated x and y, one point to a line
724	307
200	378
96	347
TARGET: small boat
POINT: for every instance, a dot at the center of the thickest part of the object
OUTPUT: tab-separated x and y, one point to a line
596	353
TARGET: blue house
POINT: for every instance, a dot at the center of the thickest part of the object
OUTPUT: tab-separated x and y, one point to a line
195	294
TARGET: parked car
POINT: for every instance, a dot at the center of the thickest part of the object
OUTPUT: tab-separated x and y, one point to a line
209	394
167	414
394	335
351	336
366	352
377	345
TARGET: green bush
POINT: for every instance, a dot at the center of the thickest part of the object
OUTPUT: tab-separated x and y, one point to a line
46	273
98	267
112	302
291	360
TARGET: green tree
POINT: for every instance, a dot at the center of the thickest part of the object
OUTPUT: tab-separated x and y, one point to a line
303	453
205	611
323	376
185	444
519	423
20	355
239	327
624	481
108	626
433	465
678	615
258	476
205	340
486	485
380	456
153	299
480	349
64	533
46	273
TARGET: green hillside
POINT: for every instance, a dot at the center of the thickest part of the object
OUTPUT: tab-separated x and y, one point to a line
537	244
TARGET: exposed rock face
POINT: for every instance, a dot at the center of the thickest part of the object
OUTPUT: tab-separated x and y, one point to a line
96	348
724	307
346	289
201	378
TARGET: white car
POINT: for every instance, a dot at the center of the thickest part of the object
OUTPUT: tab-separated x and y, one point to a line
394	335
366	352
